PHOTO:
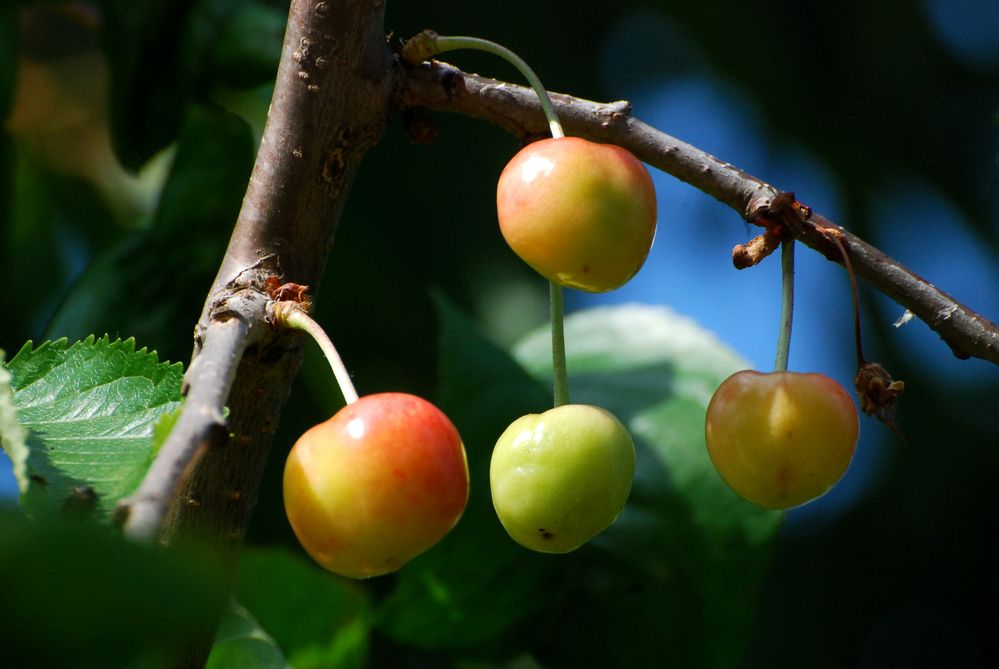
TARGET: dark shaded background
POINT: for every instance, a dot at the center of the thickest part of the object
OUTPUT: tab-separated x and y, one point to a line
881	115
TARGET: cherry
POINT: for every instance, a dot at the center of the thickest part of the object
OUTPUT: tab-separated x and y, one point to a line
781	439
561	477
377	484
582	214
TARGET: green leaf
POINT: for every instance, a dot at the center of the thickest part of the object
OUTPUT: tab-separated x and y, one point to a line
318	619
161	430
13	436
476	584
76	594
242	644
90	409
683	562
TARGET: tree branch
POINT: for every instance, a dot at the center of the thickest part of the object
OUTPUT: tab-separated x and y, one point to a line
442	87
209	380
331	98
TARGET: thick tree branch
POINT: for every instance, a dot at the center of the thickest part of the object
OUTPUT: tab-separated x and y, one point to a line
332	95
330	103
439	86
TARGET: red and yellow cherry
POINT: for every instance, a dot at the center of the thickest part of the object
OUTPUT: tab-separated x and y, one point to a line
561	477
377	484
582	214
781	439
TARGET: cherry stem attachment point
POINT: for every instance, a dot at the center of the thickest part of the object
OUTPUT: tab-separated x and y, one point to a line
786	303
289	314
560	374
430	43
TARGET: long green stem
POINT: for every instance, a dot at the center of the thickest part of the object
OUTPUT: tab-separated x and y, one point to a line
427	44
786	303
290	315
452	43
560	372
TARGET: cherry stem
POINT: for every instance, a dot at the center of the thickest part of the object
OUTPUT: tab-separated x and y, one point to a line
434	43
452	43
786	303
290	315
559	369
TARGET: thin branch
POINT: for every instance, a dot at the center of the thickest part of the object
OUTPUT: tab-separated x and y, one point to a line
442	87
209	380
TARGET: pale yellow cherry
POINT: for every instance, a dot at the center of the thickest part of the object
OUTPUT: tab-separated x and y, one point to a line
781	439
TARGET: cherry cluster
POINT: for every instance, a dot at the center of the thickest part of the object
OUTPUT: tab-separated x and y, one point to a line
386	477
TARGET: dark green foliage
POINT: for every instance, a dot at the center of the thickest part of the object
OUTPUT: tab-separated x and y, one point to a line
9	44
166	53
78	595
319	620
150	79
151	283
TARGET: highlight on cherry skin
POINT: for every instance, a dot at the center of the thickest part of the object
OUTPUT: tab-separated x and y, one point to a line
561	477
582	214
781	439
377	484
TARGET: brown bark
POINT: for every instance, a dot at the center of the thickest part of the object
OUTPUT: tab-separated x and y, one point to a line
331	99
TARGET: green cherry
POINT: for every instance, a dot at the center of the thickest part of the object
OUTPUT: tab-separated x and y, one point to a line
561	477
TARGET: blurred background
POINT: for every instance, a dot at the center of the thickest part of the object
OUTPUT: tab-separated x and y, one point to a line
882	116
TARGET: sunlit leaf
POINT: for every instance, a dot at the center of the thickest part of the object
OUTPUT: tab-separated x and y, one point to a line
90	409
162	428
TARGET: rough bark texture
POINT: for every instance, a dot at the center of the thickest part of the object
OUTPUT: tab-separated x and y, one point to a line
332	95
330	103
